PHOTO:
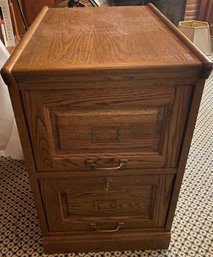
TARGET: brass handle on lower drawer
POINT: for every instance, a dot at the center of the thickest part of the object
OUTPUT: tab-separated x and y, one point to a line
93	166
94	227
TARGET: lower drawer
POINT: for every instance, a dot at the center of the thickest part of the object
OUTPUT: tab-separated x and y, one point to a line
104	203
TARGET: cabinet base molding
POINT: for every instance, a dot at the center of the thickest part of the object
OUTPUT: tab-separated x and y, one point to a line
106	242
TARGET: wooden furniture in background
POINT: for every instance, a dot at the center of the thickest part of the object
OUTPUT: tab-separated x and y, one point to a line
206	13
33	7
106	111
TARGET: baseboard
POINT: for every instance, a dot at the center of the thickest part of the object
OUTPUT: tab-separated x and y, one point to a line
106	242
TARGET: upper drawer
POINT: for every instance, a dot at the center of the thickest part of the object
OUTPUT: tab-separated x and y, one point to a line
92	128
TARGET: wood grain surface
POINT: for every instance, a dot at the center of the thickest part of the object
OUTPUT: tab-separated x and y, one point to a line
136	201
91	37
146	126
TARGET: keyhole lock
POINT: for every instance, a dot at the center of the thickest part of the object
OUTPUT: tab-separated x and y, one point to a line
107	181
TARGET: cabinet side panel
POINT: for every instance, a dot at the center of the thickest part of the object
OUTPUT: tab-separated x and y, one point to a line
26	145
188	133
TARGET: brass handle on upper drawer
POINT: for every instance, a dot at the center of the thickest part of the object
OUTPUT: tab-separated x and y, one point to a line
94	227
91	165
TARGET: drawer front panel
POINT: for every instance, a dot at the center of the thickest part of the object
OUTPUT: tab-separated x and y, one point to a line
143	124
106	130
76	204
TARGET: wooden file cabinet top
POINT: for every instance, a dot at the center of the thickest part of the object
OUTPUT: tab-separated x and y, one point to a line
106	101
104	44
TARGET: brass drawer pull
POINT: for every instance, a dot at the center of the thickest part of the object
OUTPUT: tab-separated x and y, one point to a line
94	227
91	165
